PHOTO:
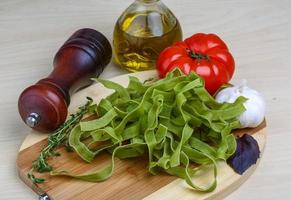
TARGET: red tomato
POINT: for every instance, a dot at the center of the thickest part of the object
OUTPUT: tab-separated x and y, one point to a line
206	54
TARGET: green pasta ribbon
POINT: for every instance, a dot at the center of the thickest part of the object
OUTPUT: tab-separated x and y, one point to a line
174	121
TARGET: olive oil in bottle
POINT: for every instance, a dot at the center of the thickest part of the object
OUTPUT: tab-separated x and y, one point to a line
145	29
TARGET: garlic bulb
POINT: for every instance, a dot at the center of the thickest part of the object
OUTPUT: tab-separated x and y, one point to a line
255	105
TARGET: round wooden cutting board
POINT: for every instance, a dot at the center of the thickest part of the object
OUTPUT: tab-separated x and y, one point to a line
131	180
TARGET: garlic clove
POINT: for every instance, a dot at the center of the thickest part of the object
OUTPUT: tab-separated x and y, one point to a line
227	95
252	117
255	105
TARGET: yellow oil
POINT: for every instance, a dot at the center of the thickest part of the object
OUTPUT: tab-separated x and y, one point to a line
140	37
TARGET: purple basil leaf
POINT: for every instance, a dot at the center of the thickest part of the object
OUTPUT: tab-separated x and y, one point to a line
246	154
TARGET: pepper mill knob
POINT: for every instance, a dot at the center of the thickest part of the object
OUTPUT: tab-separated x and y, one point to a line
32	120
84	55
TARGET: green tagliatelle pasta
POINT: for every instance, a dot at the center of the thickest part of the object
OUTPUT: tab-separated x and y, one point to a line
172	120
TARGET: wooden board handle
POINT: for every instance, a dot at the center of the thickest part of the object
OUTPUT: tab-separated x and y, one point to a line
84	55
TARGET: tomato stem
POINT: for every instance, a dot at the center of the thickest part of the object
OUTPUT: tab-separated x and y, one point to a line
198	56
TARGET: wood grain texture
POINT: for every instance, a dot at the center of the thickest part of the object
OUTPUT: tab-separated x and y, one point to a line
130	180
257	31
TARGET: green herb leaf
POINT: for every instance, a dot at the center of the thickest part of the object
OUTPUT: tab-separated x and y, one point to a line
56	140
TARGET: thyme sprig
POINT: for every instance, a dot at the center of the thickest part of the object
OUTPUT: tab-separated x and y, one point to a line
56	140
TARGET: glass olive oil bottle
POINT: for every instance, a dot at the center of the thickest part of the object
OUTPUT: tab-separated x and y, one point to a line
144	29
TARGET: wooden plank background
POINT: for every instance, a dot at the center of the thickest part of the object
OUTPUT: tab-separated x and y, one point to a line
258	33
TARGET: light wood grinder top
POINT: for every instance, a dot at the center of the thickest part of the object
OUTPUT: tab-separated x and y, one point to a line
84	55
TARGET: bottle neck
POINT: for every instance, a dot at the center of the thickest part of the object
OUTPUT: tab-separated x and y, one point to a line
148	1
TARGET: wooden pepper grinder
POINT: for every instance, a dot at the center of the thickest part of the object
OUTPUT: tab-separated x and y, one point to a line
84	55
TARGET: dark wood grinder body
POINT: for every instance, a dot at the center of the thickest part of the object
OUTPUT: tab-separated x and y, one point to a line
84	55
